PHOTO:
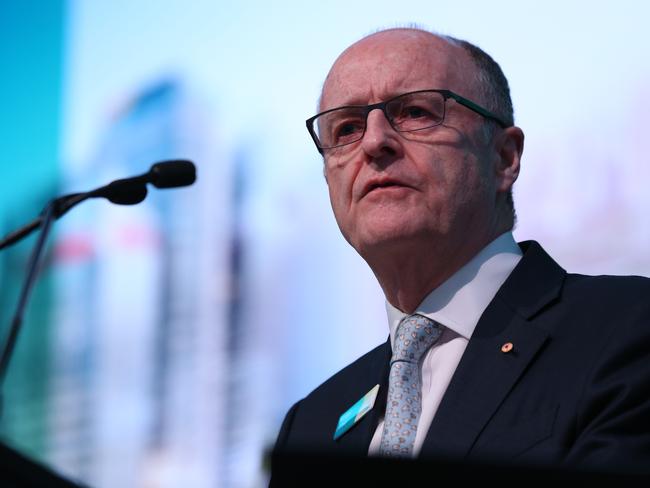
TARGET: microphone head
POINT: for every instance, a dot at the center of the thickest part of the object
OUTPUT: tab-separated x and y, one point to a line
172	174
125	192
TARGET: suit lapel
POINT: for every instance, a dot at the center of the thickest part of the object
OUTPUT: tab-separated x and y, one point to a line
357	439
486	374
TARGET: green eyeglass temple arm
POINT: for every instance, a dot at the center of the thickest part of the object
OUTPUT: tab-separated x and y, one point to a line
476	108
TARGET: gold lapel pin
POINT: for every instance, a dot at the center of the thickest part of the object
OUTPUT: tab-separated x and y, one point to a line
507	347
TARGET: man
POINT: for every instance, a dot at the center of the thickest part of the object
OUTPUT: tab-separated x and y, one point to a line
514	359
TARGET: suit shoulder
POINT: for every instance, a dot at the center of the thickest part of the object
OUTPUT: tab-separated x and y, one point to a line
612	308
611	288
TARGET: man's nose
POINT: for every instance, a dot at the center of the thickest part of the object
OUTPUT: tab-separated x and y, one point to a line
380	138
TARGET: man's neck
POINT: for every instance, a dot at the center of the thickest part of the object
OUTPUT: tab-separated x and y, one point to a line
408	276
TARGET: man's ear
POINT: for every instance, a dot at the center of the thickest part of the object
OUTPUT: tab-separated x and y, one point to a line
325	172
510	146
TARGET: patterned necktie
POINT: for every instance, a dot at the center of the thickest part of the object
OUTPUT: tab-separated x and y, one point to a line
415	334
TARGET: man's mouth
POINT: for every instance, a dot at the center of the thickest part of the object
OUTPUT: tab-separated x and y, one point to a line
385	184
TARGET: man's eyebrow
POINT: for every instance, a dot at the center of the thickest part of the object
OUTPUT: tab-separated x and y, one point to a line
349	103
355	101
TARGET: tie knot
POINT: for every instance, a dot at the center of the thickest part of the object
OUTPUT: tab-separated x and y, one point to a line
415	334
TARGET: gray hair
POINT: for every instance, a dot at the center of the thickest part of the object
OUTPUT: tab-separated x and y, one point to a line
490	80
494	90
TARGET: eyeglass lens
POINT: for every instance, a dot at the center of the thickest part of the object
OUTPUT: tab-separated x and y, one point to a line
406	113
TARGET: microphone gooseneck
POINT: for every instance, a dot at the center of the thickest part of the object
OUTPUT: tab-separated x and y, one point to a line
128	191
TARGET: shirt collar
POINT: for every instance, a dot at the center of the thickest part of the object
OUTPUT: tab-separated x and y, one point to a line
459	302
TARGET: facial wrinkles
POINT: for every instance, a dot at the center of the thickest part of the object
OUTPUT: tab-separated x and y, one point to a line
356	79
341	175
348	83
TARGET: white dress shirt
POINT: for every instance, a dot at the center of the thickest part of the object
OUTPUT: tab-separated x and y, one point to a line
457	304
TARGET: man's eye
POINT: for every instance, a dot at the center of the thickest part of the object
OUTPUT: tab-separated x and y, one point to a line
346	131
414	112
415	116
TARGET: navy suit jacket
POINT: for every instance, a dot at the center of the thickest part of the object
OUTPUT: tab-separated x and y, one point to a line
575	389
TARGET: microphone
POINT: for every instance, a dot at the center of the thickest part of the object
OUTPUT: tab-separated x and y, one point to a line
166	174
123	192
128	191
172	174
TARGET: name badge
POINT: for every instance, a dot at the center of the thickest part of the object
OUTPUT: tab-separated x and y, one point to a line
356	412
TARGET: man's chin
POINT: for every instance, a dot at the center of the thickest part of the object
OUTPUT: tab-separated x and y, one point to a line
388	239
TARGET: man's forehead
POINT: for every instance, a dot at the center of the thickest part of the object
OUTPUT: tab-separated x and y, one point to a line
388	63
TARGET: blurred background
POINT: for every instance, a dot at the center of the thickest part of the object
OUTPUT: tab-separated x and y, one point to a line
165	341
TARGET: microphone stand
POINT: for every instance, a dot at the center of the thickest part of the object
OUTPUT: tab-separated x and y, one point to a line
127	191
45	221
136	192
52	211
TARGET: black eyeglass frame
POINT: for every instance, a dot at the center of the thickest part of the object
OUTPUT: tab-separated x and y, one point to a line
447	94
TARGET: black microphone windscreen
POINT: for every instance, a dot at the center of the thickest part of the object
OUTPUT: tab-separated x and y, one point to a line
125	192
171	174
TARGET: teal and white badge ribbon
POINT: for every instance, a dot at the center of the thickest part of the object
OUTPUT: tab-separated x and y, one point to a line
352	415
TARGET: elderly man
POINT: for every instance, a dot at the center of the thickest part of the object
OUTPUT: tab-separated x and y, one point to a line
495	352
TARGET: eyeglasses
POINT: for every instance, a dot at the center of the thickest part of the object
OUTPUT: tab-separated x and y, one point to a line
409	112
